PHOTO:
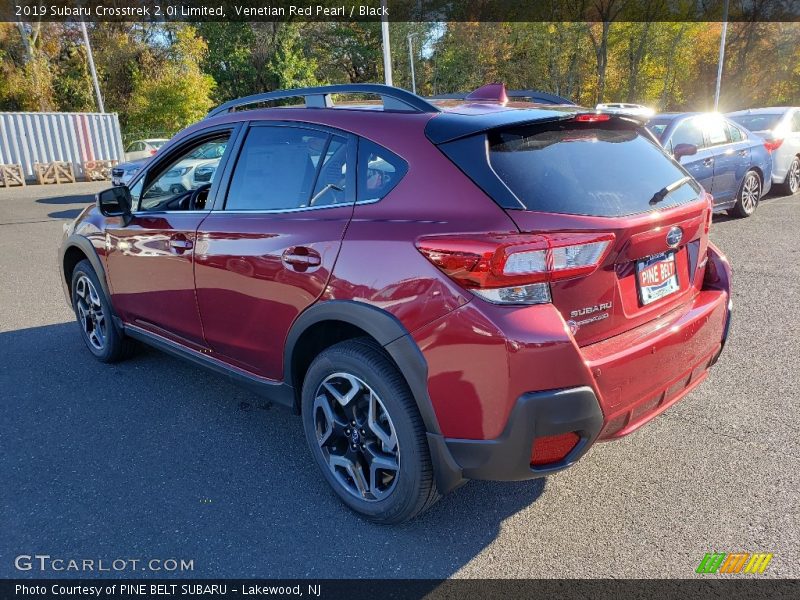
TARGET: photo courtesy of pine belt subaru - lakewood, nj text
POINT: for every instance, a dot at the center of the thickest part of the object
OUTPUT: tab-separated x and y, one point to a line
471	288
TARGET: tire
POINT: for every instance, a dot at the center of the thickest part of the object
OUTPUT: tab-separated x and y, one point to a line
791	185
93	313
748	197
381	468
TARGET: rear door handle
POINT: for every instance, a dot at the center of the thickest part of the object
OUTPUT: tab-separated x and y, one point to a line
301	258
708	162
742	152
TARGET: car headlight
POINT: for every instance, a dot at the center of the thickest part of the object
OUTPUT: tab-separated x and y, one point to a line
179	172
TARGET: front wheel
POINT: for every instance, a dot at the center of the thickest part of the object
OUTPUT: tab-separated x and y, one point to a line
749	196
93	313
366	434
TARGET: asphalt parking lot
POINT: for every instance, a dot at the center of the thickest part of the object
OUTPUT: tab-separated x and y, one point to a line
155	458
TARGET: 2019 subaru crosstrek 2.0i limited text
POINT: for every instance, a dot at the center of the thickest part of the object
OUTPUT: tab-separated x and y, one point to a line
472	289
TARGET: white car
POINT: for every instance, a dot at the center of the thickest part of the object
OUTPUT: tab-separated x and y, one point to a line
193	171
780	128
143	148
619	108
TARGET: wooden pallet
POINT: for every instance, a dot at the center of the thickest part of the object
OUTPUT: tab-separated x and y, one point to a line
54	172
98	170
11	175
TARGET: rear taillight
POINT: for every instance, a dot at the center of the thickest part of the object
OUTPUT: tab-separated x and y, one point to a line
710	201
553	448
153	152
772	145
515	268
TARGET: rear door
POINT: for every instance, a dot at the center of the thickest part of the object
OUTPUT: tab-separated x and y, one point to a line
731	158
266	251
574	178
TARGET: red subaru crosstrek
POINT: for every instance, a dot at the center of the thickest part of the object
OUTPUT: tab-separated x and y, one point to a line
444	291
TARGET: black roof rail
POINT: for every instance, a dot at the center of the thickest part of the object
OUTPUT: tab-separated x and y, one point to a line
393	98
533	95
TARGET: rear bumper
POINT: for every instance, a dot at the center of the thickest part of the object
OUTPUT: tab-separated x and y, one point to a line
535	414
612	387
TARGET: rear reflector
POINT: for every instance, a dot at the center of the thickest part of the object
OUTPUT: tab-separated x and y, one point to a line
772	145
553	448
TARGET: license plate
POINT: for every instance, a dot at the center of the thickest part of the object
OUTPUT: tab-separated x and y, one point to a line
657	277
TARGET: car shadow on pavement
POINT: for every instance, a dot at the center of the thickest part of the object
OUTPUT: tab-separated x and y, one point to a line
69	213
76	199
157	458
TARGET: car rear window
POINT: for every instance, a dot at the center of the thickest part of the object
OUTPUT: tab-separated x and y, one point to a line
757	122
585	169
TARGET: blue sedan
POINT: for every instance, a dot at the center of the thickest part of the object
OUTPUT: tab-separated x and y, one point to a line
731	163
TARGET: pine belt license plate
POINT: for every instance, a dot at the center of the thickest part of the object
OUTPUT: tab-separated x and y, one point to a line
657	277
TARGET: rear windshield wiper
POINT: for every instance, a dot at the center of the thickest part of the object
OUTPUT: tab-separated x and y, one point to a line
667	190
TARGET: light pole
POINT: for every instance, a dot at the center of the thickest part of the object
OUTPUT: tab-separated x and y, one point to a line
89	54
411	62
721	53
387	53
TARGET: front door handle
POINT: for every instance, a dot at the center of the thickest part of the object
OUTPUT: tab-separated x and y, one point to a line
301	258
181	244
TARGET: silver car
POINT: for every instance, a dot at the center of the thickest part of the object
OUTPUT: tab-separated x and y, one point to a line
780	128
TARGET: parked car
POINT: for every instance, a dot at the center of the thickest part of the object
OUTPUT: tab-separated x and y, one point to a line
730	162
620	108
443	292
780	128
143	148
192	171
122	173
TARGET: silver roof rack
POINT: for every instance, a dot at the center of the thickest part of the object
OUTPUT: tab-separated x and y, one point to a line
394	99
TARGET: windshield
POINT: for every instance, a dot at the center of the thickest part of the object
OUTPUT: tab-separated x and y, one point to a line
757	122
586	169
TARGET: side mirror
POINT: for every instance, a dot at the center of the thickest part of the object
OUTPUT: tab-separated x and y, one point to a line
115	202
684	150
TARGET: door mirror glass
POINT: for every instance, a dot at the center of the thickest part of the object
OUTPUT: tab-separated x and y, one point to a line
115	202
684	150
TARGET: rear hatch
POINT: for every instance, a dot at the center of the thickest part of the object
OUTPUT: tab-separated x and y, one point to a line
599	177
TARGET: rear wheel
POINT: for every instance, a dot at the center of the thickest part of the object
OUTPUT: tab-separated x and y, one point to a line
93	313
365	433
749	196
791	184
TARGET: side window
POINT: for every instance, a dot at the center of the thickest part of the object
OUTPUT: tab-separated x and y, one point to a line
735	133
131	147
192	168
379	170
717	132
278	166
688	132
796	121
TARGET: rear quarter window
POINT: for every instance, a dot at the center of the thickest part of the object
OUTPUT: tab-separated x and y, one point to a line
585	169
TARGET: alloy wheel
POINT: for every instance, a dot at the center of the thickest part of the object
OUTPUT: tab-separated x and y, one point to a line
751	191
794	176
90	312
356	436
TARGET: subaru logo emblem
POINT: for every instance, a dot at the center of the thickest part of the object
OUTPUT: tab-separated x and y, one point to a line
674	237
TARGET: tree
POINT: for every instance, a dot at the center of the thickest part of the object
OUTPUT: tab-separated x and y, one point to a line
176	93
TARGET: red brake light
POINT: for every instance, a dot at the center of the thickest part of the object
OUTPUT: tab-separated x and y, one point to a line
511	261
152	152
772	145
553	448
591	117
